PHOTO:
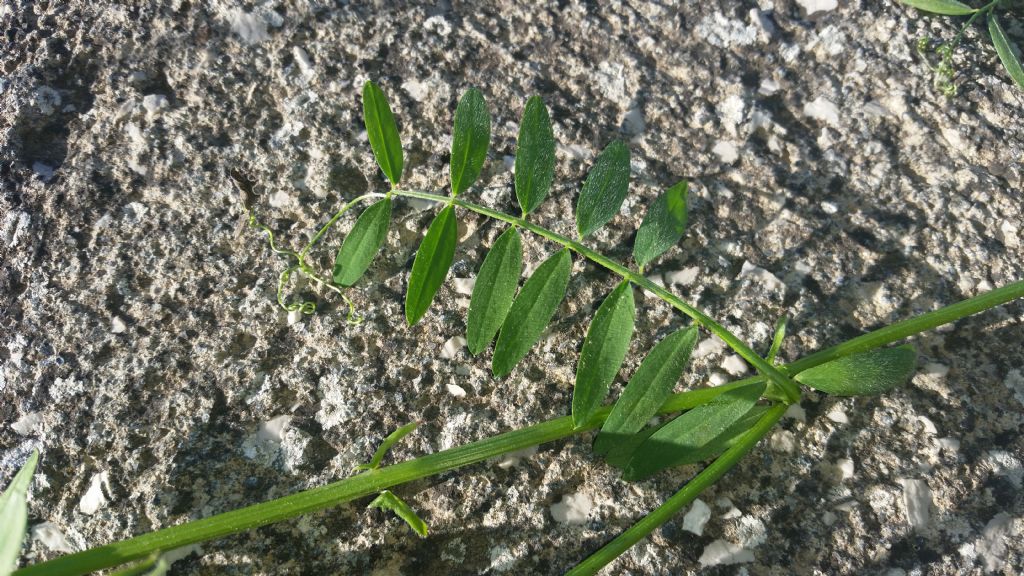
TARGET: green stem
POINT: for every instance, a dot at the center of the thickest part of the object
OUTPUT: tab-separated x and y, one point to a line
365	484
323	230
789	388
371	482
686	494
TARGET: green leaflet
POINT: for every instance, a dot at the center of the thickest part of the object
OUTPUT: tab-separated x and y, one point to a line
535	156
470	140
430	267
604	190
386	445
388	501
382	132
1006	55
864	374
494	290
531	312
603	351
692	437
780	334
947	7
663	225
647	389
362	243
14	515
619	449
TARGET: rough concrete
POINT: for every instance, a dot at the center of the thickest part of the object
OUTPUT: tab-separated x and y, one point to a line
142	352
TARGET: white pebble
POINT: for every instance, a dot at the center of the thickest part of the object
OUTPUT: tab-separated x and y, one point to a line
837	415
94	498
697	517
917	498
735	365
50	536
273	430
724	552
465	286
456	390
683	277
823	109
726	152
573	509
814	6
452	347
117	326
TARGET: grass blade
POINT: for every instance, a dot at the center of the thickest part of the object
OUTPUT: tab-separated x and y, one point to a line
1005	51
663	225
430	267
386	445
531	312
362	243
604	190
494	290
647	389
382	132
388	501
694	436
864	374
14	515
470	140
535	156
945	7
603	351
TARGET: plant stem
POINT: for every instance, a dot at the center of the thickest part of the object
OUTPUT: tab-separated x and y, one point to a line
682	498
339	492
789	388
369	483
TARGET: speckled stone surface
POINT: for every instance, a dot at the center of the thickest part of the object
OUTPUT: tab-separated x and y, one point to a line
142	352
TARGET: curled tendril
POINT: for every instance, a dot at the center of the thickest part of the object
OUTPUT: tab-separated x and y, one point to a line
306	307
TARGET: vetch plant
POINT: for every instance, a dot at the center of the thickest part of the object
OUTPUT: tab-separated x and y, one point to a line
944	70
717	425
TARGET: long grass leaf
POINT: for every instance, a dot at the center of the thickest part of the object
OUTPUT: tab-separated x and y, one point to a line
535	156
382	132
470	140
494	290
531	312
864	374
14	515
604	349
362	243
429	269
648	388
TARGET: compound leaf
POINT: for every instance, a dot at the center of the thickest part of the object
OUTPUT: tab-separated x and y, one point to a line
604	349
362	243
535	156
429	269
531	312
604	190
382	132
14	515
388	501
386	445
864	374
470	140
494	290
1003	49
647	389
946	7
663	225
695	435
